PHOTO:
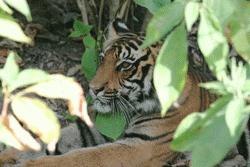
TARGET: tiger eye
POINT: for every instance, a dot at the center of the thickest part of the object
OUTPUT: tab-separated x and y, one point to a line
124	66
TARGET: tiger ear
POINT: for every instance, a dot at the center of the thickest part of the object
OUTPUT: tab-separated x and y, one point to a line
114	30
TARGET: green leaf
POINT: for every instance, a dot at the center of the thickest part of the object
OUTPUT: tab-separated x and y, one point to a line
10	70
89	100
196	135
22	135
190	128
223	138
57	86
8	26
69	117
89	63
217	87
89	58
21	6
80	29
38	117
172	64
164	21
75	34
240	31
191	13
235	116
212	42
152	5
29	77
89	42
5	7
7	137
222	9
61	87
111	125
189	125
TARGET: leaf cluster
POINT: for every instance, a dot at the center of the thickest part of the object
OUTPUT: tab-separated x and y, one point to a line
89	57
9	27
110	125
211	134
31	111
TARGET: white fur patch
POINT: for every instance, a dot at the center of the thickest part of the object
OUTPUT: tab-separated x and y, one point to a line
101	108
148	105
122	25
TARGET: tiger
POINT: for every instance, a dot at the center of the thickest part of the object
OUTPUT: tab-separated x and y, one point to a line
124	82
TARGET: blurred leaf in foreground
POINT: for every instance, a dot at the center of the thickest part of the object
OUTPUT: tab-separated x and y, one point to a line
8	26
164	21
38	117
59	86
21	134
172	64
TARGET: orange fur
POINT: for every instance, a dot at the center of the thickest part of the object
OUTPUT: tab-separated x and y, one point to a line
132	152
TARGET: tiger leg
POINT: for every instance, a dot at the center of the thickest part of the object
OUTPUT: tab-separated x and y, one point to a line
145	143
71	139
127	152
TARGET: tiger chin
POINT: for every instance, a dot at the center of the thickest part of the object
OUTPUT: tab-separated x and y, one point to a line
123	82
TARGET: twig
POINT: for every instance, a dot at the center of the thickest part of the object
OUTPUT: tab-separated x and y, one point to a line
114	5
100	16
6	101
92	3
81	5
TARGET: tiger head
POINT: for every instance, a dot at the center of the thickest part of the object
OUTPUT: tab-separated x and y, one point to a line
123	80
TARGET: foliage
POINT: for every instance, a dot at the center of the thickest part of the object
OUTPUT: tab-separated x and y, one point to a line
174	70
110	125
89	57
17	87
211	134
8	24
152	6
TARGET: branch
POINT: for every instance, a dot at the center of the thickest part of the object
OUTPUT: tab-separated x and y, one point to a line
82	6
100	16
113	7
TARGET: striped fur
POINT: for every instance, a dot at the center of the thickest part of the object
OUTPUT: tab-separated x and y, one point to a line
124	81
145	142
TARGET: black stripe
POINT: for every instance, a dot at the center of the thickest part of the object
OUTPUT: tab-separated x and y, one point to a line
86	135
132	45
155	118
137	81
145	137
140	81
139	41
145	70
129	51
128	87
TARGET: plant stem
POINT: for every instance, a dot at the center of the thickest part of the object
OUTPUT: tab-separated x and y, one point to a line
6	102
82	7
100	16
